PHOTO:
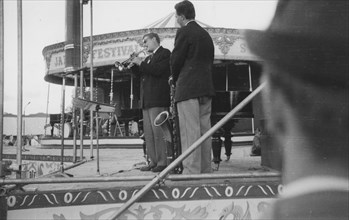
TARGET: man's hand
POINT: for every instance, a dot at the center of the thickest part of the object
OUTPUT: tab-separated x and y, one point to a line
170	80
137	61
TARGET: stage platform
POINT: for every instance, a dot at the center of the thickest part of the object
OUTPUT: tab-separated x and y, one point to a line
119	163
240	186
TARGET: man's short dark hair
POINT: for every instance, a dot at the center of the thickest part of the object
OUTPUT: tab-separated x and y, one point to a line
152	35
185	8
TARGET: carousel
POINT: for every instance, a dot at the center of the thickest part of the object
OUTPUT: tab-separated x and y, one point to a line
236	74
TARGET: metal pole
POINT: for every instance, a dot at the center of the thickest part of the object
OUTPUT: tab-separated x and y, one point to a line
74	124
91	79
62	123
1	80
74	180
185	154
251	88
172	177
131	95
81	81
97	141
66	168
47	101
24	118
19	88
74	119
111	96
226	78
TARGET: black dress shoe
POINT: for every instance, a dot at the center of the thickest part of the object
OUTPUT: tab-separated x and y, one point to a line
147	168
158	169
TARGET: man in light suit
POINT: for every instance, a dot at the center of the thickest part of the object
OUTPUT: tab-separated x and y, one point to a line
155	98
191	68
305	50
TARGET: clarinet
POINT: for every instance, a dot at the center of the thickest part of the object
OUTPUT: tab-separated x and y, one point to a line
177	149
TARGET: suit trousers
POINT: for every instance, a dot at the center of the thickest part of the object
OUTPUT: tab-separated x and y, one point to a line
194	121
154	138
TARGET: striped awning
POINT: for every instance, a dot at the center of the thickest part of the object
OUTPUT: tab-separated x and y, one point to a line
169	21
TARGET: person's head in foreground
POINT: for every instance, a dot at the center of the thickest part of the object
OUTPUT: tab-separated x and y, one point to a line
305	64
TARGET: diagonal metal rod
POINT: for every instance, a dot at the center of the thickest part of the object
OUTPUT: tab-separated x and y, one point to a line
185	154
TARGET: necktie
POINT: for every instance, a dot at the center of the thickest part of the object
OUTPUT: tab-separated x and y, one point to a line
150	57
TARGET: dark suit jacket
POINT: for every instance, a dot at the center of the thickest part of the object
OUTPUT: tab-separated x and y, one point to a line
154	72
191	62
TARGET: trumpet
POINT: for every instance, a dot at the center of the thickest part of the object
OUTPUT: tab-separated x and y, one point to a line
126	64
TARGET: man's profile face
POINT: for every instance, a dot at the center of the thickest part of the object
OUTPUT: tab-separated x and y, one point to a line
150	43
180	19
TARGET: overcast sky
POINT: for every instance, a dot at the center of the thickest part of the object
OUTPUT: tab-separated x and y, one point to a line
44	24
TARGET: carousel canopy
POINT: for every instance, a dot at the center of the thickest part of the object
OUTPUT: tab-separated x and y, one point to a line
118	46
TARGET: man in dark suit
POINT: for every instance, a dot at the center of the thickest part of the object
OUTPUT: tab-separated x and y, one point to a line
191	66
305	50
155	98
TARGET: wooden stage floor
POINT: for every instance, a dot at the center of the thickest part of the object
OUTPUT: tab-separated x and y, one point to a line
126	163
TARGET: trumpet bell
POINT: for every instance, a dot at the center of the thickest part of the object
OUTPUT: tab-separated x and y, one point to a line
161	118
127	64
162	121
118	65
